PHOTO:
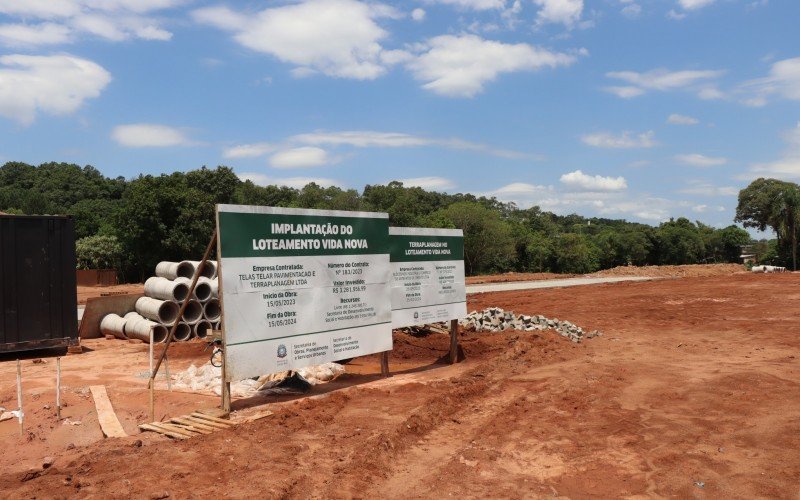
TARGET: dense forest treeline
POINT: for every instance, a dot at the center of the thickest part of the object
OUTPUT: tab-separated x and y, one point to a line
132	224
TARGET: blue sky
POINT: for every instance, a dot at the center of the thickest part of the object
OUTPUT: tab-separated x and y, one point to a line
636	109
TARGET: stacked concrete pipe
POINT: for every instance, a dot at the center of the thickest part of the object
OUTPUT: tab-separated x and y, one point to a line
209	270
202	290
139	327
214	284
202	328
212	310
113	324
160	311
183	331
172	270
164	289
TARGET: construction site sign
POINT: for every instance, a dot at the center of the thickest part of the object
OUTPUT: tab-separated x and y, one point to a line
427	275
301	287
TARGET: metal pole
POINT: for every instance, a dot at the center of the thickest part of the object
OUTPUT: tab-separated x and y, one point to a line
171	335
58	388
21	415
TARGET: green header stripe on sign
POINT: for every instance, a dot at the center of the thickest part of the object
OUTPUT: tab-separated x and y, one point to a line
403	248
283	235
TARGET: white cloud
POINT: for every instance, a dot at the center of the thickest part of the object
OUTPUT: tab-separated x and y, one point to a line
521	188
418	14
631	10
698	160
149	135
783	81
580	181
153	33
303	157
664	80
788	166
675	15
429	183
474	4
695	4
373	139
625	140
625	92
113	20
676	119
292	182
702	208
34	34
338	38
705	188
566	12
460	66
248	150
57	85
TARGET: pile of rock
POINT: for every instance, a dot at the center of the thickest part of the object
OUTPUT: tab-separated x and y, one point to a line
495	319
165	294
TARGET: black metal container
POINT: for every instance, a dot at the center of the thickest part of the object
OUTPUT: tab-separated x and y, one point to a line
38	296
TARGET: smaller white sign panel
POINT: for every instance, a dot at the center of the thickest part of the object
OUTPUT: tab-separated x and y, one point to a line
427	275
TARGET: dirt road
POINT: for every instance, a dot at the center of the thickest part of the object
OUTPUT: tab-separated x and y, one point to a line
692	391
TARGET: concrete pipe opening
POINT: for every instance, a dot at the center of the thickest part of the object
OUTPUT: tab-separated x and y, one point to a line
172	270
113	324
160	333
160	311
202	290
164	289
202	328
211	310
183	332
193	312
209	270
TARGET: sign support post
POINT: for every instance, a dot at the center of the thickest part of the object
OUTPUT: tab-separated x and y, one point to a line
453	341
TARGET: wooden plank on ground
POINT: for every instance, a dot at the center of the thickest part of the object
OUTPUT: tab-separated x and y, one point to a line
212	419
109	422
174	428
152	428
257	416
209	423
192	426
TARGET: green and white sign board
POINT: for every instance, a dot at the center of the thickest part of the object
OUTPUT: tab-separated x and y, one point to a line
301	287
427	275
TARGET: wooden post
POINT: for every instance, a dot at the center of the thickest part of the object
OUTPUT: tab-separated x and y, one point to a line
226	386
166	373
21	415
453	341
197	273
385	364
151	353
58	388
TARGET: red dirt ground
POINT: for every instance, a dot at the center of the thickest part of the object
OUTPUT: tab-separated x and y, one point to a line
692	391
686	271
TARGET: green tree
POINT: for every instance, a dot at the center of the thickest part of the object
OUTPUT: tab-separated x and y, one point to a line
775	204
574	254
488	244
98	252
